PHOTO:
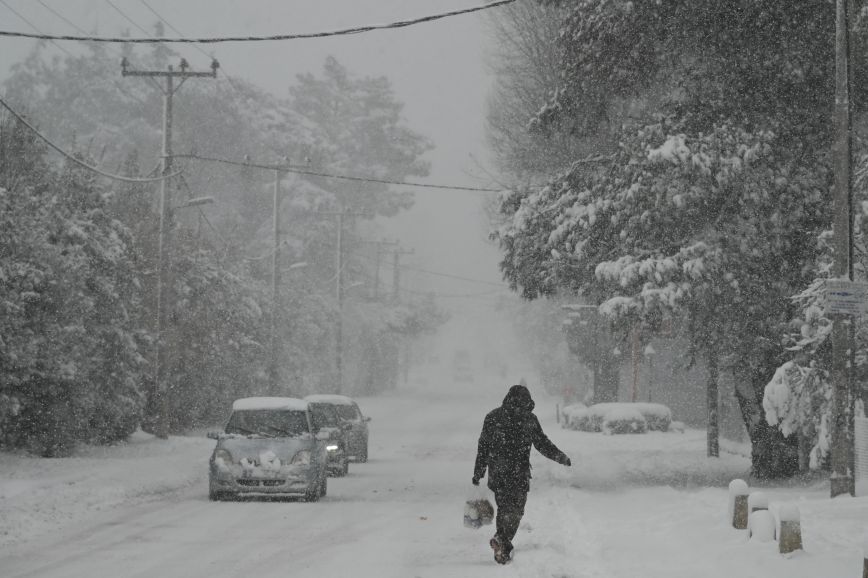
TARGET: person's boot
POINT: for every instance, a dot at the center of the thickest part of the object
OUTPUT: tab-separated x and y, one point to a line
500	554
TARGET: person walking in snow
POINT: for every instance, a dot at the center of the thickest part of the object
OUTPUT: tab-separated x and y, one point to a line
504	450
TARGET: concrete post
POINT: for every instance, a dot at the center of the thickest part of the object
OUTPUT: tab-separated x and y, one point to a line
738	495
790	538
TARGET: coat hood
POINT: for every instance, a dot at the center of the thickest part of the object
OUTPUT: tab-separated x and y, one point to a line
518	399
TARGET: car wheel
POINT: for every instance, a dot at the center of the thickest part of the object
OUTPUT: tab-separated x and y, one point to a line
323	489
346	469
363	455
313	494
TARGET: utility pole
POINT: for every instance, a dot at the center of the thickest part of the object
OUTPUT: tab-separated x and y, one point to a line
339	294
396	298
396	272
160	389
339	290
842	480
275	285
378	259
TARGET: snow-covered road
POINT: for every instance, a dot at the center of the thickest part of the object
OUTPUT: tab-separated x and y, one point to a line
630	506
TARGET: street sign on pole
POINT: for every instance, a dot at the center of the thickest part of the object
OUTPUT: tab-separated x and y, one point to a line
845	297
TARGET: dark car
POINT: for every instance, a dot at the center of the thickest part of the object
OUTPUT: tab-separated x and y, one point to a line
268	447
329	426
357	424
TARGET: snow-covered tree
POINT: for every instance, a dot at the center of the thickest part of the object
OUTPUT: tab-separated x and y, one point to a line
709	185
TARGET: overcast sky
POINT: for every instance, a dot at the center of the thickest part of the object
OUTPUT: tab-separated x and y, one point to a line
437	69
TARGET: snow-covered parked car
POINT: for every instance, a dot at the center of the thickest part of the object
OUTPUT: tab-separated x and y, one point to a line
328	424
351	415
621	418
268	447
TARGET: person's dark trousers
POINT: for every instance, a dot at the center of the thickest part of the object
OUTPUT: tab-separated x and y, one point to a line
510	509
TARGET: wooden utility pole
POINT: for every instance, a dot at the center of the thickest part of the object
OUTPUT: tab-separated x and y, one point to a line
842	481
339	294
275	286
160	389
378	259
396	273
339	290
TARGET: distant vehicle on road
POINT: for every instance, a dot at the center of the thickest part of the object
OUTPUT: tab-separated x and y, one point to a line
268	447
328	424
350	414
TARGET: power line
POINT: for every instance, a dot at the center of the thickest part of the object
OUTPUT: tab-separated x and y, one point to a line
436	273
196	46
75	160
275	37
127	18
115	51
301	171
29	23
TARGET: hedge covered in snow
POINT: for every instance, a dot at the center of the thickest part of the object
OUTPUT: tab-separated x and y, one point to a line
617	417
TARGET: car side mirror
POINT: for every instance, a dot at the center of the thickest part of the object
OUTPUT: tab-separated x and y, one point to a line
366	418
213	435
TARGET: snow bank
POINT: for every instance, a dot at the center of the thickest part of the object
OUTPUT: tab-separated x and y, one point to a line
253	403
39	495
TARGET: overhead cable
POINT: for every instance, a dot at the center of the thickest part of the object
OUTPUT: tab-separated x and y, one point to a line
29	23
275	37
77	161
302	171
197	47
69	22
435	273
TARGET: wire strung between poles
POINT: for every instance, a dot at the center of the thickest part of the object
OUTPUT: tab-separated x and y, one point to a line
275	37
302	171
77	161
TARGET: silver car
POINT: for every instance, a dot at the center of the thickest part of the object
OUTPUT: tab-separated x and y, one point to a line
356	425
268	447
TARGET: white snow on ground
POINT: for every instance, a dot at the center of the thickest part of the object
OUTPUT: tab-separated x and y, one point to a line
644	505
39	495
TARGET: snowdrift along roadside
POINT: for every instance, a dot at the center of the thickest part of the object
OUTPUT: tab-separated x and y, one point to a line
39	495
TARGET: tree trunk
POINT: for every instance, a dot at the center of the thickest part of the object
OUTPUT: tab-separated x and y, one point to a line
607	378
772	455
713	398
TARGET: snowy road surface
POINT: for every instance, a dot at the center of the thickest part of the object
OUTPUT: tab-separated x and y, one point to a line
630	506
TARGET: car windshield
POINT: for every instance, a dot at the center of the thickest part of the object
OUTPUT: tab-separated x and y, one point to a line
324	415
348	412
268	422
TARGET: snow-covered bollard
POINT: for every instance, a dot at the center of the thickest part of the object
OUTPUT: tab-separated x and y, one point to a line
865	560
791	530
738	493
761	526
757	501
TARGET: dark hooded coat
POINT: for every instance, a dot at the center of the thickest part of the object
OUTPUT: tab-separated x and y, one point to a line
504	445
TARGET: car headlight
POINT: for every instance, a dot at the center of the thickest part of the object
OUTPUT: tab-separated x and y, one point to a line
223	455
333	448
302	458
